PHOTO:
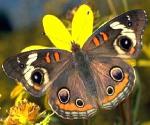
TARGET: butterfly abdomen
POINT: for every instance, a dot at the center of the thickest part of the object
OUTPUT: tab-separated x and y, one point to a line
82	61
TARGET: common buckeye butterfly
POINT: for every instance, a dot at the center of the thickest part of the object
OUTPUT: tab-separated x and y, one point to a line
94	76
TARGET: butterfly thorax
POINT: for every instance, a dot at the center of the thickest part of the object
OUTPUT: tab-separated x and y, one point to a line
79	56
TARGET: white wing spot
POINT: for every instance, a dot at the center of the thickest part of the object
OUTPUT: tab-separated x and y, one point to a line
29	69
18	60
128	17
31	58
125	32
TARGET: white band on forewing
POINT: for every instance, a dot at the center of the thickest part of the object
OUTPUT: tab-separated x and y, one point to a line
125	32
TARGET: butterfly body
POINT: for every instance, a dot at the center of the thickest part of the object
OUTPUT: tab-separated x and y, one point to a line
81	62
90	77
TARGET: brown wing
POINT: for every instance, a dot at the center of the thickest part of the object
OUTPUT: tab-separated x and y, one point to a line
119	37
114	80
37	69
69	98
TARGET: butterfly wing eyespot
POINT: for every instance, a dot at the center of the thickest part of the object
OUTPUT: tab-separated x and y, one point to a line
116	73
125	43
79	103
37	78
64	95
110	90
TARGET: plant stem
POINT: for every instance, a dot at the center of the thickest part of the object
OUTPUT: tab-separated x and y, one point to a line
143	63
137	100
125	108
125	5
111	7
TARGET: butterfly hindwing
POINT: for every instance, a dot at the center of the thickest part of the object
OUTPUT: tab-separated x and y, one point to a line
37	69
114	80
120	36
68	96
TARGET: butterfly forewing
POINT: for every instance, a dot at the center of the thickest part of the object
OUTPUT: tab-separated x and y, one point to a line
119	37
37	69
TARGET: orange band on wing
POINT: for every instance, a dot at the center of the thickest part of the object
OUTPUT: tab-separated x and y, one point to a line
73	107
118	89
37	87
104	35
132	50
47	58
57	56
96	41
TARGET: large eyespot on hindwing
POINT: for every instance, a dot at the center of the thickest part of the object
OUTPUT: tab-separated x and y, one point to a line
116	74
63	95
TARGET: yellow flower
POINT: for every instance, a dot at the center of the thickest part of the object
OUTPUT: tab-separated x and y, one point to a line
23	113
82	26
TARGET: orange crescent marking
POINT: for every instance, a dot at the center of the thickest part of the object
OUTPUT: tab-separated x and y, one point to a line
132	50
118	89
37	87
104	35
73	107
96	41
47	58
57	56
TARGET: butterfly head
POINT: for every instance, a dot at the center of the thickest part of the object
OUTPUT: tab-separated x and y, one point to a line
75	47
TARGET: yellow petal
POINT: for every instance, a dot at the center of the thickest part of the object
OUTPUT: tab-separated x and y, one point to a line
57	32
20	97
16	91
34	47
82	24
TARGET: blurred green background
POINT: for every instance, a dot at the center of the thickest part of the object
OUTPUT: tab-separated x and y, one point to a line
21	26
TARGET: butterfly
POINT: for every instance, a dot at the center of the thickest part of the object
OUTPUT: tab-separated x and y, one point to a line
88	78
